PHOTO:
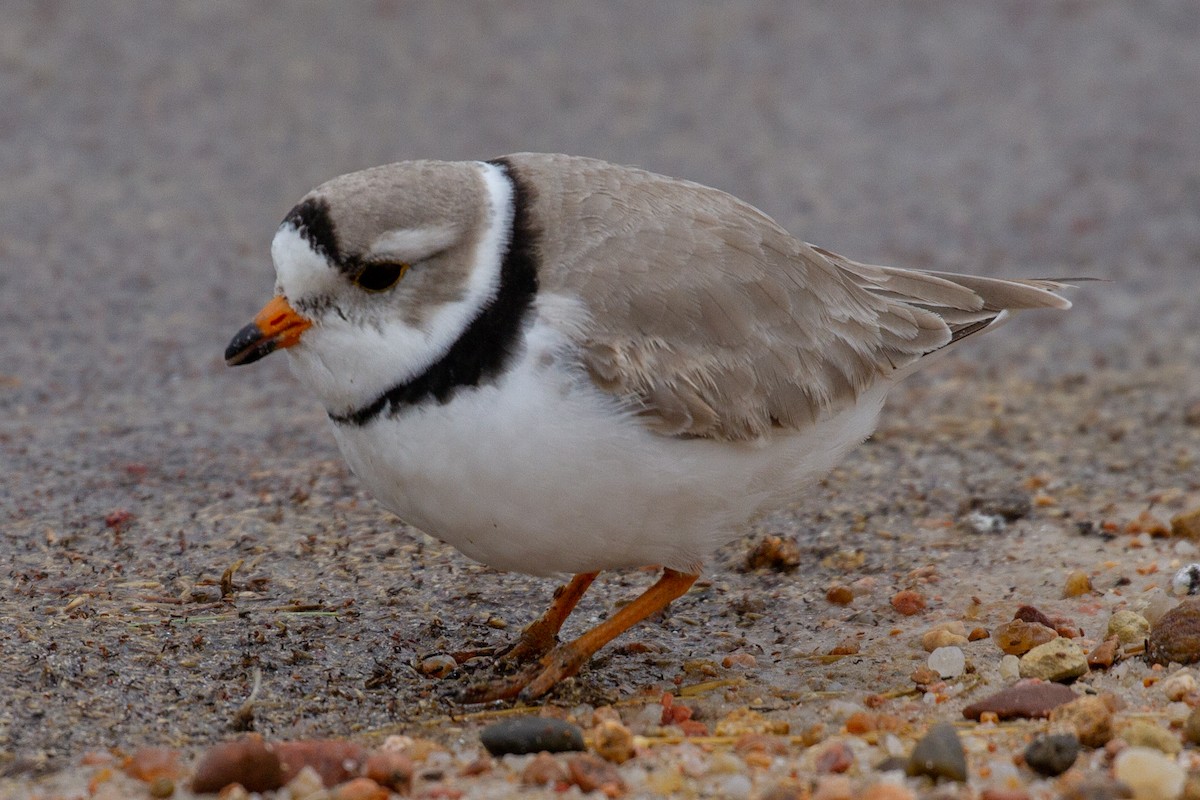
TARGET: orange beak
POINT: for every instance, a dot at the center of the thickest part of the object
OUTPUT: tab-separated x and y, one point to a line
276	326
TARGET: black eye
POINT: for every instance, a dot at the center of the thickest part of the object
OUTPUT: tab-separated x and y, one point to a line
380	277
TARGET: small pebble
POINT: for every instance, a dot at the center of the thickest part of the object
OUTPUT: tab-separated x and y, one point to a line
735	787
1058	660
1128	626
939	754
613	741
886	791
1018	637
1191	728
543	770
1078	583
1053	754
1154	603
908	602
359	789
940	637
531	735
1178	685
1091	718
836	757
1142	733
1010	668
1187	524
948	662
1186	580
1105	654
162	787
1150	774
1028	700
777	553
1176	635
391	768
590	773
839	595
440	665
335	760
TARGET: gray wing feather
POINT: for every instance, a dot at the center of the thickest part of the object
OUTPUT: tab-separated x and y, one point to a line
712	321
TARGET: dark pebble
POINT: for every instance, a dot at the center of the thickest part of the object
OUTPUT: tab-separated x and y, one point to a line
939	754
531	735
1052	755
1023	701
249	761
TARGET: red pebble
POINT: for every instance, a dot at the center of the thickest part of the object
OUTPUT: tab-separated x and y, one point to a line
335	760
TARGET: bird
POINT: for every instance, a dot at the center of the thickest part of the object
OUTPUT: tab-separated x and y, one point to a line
560	366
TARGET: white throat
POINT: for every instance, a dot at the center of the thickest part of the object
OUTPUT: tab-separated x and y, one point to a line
349	365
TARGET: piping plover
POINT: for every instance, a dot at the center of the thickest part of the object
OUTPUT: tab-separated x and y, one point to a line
559	365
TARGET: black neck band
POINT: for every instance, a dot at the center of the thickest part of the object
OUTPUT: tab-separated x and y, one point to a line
486	345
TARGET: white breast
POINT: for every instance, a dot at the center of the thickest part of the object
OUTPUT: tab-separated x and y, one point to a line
543	473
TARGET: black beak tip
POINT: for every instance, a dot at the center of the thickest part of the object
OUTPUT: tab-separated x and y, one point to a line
247	346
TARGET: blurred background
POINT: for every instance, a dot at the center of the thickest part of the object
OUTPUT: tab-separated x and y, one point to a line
148	150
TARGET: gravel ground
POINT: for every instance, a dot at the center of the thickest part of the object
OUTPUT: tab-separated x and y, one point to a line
174	532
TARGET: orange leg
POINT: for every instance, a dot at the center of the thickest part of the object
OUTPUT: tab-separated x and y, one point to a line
542	634
565	660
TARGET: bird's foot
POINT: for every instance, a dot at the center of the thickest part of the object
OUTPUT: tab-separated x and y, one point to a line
530	683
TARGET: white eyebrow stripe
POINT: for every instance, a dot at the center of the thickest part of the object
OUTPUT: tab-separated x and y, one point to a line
413	244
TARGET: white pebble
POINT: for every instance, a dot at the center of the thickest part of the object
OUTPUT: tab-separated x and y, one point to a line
1150	774
1179	685
1185	549
736	787
1010	668
949	662
1186	581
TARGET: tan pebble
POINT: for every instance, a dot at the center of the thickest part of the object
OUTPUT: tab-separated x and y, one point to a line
788	790
739	660
977	633
1057	660
234	791
605	713
924	676
1186	524
590	773
360	789
1128	626
1090	717
1141	733
306	783
479	766
1150	774
833	787
932	640
1176	635
839	595
543	770
1178	685
613	741
1018	637
1078	583
249	762
908	602
391	768
775	553
437	666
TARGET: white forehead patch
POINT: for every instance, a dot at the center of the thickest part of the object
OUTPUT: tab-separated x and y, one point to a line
414	244
299	270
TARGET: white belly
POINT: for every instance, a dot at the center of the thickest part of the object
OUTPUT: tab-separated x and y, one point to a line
542	473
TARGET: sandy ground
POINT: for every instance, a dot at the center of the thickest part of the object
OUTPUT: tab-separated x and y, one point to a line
149	151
